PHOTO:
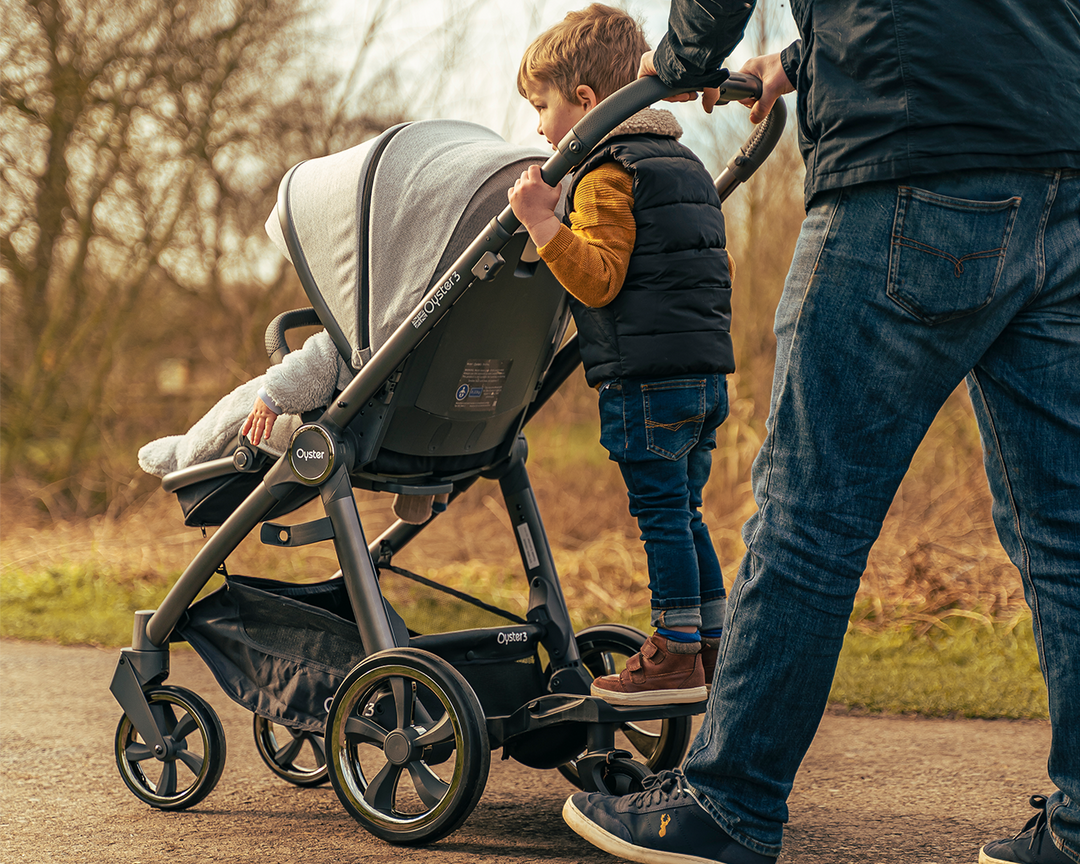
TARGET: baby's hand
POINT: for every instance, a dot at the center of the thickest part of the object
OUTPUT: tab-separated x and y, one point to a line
260	422
534	203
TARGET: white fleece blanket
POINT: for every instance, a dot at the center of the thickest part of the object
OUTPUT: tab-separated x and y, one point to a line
214	434
304	380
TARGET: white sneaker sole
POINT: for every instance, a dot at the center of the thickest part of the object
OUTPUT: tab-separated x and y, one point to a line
600	838
686	696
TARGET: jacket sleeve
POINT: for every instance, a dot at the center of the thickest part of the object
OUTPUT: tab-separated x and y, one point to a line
305	379
701	34
791	59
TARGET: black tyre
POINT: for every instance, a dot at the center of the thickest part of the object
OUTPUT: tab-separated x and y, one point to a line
617	777
194	754
407	746
658	744
292	754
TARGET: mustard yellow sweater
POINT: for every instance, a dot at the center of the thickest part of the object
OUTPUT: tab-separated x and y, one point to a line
591	256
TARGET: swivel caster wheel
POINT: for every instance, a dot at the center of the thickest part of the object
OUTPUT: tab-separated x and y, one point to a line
294	755
190	765
612	776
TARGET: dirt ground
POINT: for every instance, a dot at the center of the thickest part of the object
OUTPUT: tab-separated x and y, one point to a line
873	790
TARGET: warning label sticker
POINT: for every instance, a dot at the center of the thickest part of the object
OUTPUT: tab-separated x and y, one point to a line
480	384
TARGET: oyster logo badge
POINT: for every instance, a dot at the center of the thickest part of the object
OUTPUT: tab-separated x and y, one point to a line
311	454
436	299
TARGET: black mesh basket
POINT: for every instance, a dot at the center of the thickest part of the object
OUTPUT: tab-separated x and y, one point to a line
280	649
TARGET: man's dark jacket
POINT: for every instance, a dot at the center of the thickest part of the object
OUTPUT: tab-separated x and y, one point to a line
890	89
672	315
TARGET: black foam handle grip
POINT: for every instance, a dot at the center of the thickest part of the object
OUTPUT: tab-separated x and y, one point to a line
276	346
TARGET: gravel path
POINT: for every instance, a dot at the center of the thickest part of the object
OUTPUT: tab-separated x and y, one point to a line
873	790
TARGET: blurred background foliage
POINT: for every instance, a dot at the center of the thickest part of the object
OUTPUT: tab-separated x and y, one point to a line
142	147
142	144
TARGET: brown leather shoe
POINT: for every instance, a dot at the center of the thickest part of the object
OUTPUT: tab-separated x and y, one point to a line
710	651
663	673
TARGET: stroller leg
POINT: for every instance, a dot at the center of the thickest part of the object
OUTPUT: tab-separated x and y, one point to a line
357	568
207	561
547	605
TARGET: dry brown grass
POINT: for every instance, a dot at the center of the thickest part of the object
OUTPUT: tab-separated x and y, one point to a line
937	557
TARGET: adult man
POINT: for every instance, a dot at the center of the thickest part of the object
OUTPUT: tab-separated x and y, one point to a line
942	241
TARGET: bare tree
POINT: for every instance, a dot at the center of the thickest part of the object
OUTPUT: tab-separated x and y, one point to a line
141	149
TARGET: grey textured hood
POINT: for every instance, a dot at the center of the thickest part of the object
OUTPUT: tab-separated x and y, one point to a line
434	183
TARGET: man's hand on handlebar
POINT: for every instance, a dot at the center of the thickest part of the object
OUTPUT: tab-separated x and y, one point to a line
774	83
709	97
767	68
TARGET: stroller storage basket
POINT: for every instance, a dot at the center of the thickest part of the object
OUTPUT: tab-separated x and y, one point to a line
282	649
279	649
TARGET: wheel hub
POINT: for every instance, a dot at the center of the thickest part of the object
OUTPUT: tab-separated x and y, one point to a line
398	748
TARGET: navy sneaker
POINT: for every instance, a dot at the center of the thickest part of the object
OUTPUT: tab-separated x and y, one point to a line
1033	845
664	824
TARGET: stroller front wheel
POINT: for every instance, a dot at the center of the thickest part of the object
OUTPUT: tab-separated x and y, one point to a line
194	756
407	746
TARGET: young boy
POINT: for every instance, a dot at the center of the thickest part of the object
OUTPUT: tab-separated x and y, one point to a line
642	255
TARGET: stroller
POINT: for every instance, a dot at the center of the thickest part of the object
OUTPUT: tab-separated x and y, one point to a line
402	724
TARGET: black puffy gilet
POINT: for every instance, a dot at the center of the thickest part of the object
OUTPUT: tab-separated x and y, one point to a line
673	314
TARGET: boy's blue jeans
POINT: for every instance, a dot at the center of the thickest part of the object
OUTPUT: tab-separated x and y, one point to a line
662	432
894	296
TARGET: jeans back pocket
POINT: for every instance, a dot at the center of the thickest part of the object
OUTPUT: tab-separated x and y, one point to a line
674	415
947	253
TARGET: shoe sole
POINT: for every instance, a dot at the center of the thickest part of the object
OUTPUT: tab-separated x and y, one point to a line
686	696
986	859
590	831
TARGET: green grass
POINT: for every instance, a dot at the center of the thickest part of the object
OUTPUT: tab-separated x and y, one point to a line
71	605
960	668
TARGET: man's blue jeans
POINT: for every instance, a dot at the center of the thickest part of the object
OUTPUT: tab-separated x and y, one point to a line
895	295
662	432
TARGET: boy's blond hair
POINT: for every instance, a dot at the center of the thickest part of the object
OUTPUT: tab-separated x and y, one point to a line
599	46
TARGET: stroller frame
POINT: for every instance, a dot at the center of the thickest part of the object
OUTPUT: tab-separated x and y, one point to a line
436	716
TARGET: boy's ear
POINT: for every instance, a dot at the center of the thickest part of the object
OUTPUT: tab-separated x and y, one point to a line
586	97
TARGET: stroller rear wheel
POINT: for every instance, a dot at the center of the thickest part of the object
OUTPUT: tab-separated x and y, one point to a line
407	746
659	744
194	754
292	754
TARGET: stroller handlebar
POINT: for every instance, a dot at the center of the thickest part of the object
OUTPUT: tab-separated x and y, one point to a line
623	104
642	93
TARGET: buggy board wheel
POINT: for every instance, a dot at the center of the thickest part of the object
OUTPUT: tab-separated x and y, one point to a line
407	746
293	754
194	751
614	777
660	744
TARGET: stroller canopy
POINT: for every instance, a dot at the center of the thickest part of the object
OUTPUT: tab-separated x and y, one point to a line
403	206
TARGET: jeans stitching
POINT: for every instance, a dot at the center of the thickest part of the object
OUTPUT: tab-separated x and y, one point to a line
1040	245
958	263
911	304
769	439
699	384
1025	566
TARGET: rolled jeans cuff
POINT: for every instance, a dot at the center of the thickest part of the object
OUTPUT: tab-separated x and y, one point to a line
683	616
